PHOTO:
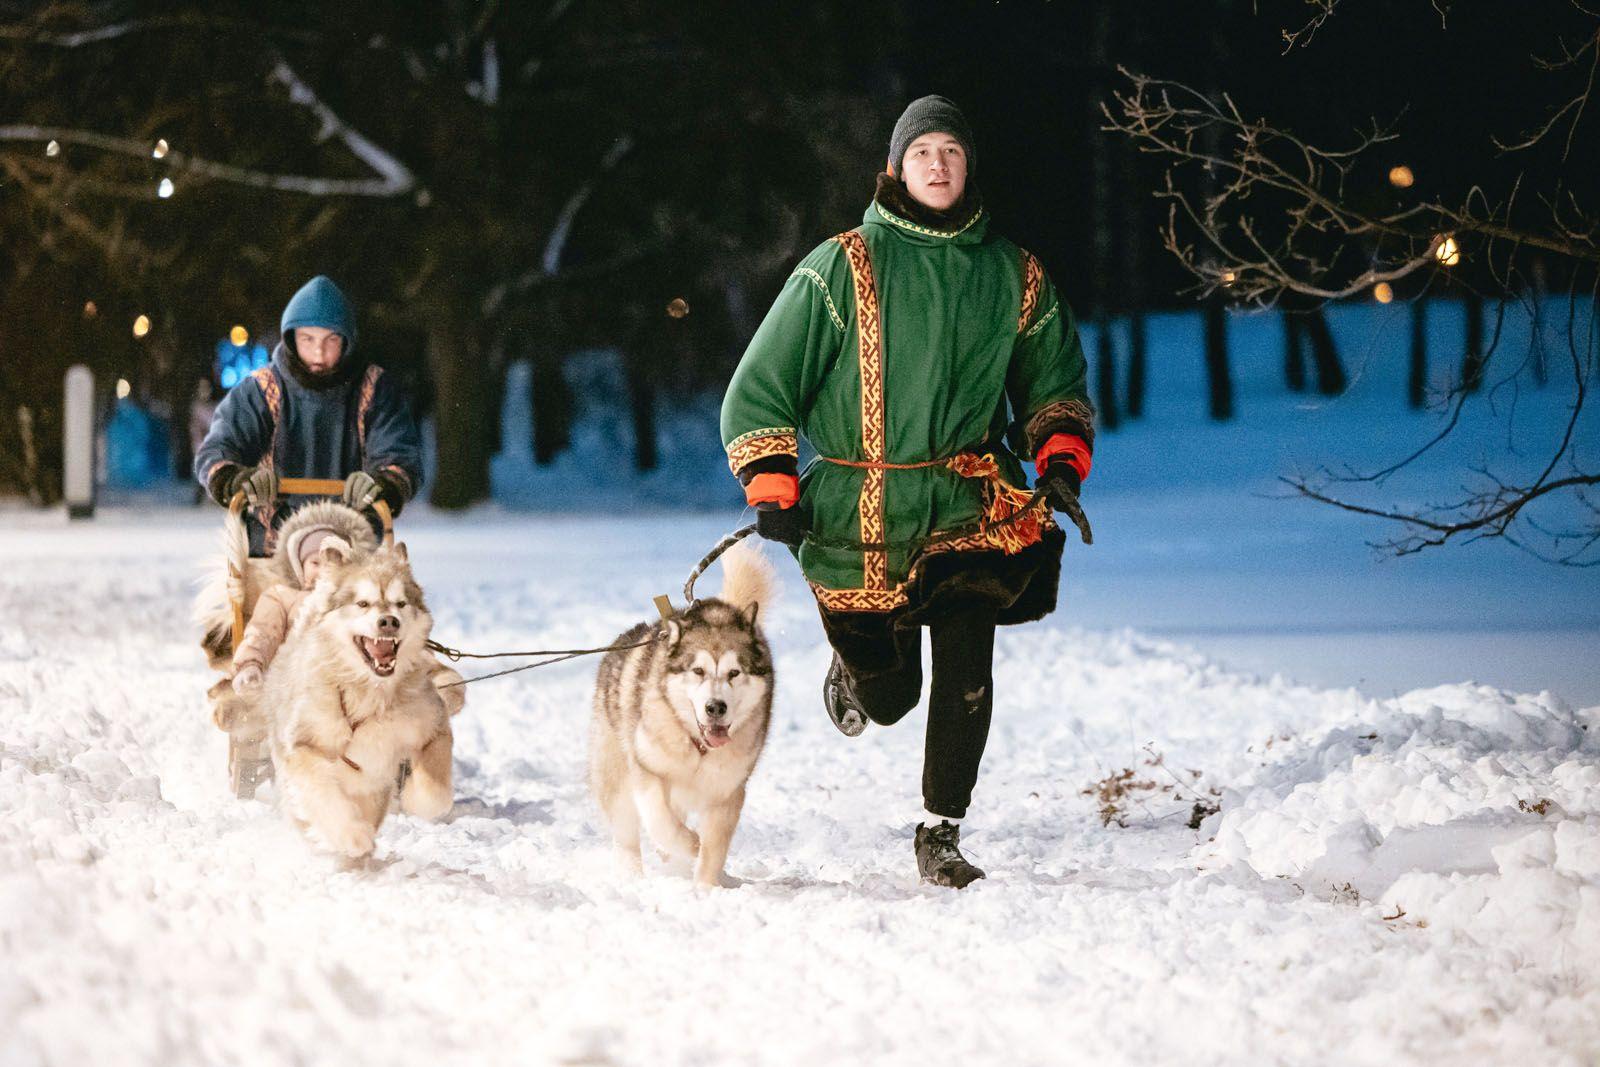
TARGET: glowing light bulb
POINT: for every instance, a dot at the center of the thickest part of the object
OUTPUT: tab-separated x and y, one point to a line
123	388
1383	292
1446	251
1401	177
90	309
678	308
53	149
239	336
164	190
141	325
160	150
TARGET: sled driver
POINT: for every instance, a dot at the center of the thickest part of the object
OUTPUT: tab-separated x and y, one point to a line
920	354
318	410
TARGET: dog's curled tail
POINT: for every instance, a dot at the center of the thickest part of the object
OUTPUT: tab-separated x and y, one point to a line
748	577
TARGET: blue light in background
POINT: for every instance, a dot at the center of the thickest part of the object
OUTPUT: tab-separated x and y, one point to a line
235	362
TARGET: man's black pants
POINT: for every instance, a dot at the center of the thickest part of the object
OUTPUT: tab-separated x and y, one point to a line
885	665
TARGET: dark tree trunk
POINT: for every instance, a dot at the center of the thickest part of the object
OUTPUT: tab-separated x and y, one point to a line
1474	360
551	399
1218	376
1417	383
1136	362
1101	200
1133	193
1105	377
1331	380
462	426
1294	361
495	381
642	400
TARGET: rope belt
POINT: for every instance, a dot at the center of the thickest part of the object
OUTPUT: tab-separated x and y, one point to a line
867	465
1012	517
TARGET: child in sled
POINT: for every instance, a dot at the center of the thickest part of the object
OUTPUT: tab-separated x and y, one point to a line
290	576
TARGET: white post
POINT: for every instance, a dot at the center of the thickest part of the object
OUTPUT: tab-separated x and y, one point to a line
78	443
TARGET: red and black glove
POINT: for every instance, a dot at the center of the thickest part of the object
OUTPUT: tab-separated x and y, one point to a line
1061	465
775	494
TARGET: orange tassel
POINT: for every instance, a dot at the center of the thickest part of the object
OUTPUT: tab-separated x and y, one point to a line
1001	500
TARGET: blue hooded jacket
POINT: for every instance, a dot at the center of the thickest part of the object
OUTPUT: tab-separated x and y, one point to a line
307	425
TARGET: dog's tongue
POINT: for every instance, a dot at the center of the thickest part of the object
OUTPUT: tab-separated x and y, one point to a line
381	651
716	736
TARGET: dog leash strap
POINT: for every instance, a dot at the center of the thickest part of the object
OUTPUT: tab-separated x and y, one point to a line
455	655
524	667
711	557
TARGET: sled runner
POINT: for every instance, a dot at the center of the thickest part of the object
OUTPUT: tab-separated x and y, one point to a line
249	756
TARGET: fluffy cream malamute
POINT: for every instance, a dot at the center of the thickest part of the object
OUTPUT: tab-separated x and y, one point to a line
680	722
349	697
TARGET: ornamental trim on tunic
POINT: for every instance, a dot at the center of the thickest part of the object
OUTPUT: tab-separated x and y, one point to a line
906	224
816	279
1032	283
874	435
272	392
759	444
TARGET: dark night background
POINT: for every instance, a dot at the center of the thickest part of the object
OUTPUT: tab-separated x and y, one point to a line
752	132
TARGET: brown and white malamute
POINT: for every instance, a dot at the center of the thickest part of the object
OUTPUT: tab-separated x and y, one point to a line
349	697
679	722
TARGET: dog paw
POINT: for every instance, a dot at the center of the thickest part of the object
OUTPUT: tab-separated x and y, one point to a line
353	839
712	880
425	803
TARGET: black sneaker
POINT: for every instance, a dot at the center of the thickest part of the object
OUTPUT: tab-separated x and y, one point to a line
939	858
840	700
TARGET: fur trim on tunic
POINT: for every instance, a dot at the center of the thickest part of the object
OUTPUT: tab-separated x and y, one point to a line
897	200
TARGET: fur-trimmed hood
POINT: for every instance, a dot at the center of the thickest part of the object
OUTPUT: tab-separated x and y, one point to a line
347	523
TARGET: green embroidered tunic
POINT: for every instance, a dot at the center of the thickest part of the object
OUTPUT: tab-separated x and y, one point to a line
895	345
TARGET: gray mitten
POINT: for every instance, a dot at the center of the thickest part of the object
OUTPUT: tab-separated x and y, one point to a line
361	490
258	484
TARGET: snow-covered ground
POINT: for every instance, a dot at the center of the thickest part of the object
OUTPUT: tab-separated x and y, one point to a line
1401	871
1414	880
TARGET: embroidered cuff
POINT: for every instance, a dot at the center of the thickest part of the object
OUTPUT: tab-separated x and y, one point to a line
759	444
1074	417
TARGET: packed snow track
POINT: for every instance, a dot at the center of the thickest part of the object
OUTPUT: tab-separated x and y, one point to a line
1408	881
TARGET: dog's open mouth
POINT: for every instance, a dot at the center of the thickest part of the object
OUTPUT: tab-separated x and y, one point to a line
380	653
716	735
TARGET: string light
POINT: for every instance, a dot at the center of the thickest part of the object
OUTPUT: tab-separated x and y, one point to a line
239	336
164	190
1401	177
678	308
141	325
90	309
53	149
1383	292
1446	251
160	150
123	388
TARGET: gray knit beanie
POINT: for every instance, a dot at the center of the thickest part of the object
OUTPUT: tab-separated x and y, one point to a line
930	114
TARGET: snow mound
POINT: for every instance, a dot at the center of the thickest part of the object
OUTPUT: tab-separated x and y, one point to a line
1460	807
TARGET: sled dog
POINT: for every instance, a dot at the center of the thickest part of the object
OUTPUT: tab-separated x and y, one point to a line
349	698
679	722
